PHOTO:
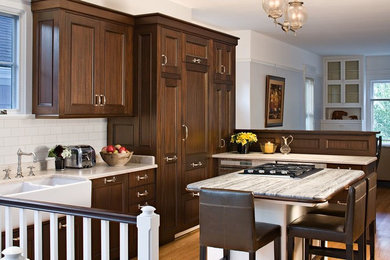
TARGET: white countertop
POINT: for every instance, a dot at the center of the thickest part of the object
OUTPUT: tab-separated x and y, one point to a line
298	157
316	188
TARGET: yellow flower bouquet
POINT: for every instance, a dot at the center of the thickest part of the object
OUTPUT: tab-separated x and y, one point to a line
243	139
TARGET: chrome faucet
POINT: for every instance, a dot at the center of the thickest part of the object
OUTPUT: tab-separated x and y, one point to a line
19	169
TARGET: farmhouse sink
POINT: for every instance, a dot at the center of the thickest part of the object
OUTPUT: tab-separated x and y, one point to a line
70	190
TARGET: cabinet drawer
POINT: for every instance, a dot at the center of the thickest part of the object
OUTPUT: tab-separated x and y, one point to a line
141	193
141	178
110	180
135	209
344	166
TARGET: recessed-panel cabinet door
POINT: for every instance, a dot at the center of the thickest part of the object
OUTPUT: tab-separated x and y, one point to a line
170	51
224	62
82	41
116	91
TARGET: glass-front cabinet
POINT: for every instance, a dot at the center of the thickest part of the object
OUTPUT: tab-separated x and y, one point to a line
343	91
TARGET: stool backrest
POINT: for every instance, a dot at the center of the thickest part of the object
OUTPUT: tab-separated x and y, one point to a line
227	219
356	211
371	197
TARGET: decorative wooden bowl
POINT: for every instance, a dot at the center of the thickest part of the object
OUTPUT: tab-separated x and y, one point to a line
116	159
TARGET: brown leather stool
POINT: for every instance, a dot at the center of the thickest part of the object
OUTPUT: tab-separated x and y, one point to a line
227	220
339	210
346	229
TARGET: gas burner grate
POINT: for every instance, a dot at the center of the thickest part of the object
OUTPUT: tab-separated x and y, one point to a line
283	170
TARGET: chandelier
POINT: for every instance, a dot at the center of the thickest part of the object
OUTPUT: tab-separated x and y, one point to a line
293	13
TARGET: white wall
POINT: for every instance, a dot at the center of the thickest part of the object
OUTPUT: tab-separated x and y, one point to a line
260	55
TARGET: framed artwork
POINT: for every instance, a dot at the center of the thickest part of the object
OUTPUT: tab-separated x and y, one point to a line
274	101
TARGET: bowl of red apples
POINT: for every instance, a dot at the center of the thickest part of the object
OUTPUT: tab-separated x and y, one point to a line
115	155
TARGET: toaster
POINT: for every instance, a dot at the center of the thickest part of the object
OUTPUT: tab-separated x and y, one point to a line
82	156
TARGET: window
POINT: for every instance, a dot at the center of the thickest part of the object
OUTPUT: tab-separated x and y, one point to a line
8	62
309	101
380	108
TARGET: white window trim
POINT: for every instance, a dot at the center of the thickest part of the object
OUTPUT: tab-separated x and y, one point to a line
22	9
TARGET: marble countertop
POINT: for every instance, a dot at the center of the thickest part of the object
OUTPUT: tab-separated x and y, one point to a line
316	188
297	157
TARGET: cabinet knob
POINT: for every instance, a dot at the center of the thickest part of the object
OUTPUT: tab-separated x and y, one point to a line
139	178
143	194
113	179
171	159
196	164
165	60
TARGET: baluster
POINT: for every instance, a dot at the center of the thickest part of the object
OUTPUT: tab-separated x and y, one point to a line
87	252
53	236
23	231
124	239
8	227
37	235
105	239
70	237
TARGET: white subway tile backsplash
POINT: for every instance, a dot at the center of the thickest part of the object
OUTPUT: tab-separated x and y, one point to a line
38	135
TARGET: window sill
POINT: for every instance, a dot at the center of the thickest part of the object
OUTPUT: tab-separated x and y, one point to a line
17	116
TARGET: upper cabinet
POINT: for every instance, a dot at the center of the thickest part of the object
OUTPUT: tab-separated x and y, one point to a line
82	61
170	52
343	93
224	62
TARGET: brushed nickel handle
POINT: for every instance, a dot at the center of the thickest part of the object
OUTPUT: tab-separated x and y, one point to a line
341	203
165	60
195	194
16	239
223	143
195	60
196	164
97	100
61	226
186	132
170	159
141	206
139	178
113	179
223	69
104	100
145	193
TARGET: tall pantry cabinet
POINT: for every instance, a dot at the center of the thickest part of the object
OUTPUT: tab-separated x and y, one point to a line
184	89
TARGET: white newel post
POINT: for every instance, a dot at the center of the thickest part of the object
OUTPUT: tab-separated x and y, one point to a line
148	224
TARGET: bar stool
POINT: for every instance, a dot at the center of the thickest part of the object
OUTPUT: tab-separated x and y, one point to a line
348	229
227	220
339	210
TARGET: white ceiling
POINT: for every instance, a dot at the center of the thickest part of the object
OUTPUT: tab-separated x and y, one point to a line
334	27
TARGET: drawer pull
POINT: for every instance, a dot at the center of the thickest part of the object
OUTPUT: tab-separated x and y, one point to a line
195	194
141	206
140	178
195	60
196	164
170	159
145	193
113	179
165	60
61	226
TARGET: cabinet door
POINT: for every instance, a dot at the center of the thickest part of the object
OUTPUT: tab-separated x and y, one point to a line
224	62
116	70
82	55
168	156
108	193
170	58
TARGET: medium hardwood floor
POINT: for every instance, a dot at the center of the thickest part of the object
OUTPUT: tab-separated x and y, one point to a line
187	247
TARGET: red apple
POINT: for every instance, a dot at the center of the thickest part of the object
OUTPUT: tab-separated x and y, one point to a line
104	149
122	149
110	149
118	146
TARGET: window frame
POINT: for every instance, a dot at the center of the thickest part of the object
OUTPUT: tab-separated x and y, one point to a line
371	105
23	57
307	115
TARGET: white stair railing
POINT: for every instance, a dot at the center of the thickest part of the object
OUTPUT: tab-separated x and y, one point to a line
147	223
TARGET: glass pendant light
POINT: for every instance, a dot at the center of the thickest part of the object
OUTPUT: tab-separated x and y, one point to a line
274	8
297	15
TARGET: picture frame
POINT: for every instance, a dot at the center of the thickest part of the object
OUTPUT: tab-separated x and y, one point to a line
274	101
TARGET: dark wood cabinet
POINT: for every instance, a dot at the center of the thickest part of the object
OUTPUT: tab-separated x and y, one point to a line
175	68
224	62
82	60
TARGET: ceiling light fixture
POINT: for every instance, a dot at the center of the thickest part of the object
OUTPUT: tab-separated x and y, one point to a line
293	12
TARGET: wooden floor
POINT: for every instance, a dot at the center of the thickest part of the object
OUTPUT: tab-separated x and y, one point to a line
187	247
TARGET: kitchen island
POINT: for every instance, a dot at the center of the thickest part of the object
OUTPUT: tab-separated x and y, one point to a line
281	200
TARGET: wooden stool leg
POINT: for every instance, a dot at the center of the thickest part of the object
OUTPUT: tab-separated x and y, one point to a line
372	229
252	255
226	254
362	246
290	247
203	253
349	252
277	249
307	246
